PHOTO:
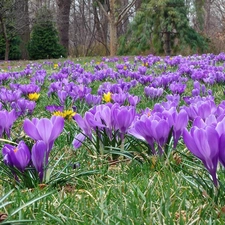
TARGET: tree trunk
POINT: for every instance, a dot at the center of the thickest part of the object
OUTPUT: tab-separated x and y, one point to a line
112	29
7	44
101	24
22	25
137	5
167	44
7	48
63	22
113	38
123	26
114	20
207	19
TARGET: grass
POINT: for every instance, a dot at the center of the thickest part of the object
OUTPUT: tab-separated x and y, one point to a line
122	194
175	189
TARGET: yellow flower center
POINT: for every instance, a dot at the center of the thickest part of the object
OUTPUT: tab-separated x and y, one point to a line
33	96
15	150
107	97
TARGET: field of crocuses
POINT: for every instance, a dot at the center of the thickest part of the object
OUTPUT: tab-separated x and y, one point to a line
123	140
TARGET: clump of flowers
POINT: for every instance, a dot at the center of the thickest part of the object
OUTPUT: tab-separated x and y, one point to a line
105	126
23	162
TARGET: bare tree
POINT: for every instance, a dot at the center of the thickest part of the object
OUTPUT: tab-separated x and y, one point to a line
63	21
22	25
101	24
14	21
5	9
114	19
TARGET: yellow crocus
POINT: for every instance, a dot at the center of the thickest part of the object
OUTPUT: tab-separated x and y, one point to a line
107	97
67	114
58	113
55	66
34	96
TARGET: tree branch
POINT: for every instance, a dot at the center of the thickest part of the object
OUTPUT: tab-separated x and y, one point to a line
103	9
124	11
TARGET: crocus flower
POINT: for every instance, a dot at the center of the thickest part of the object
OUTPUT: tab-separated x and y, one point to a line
23	106
152	92
34	96
204	144
39	157
54	108
220	128
92	99
152	129
18	157
44	129
123	118
180	121
133	100
6	121
119	98
78	140
62	95
107	97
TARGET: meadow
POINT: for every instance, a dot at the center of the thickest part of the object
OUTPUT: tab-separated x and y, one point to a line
123	140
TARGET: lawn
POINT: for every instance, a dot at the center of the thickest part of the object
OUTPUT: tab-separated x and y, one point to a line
129	140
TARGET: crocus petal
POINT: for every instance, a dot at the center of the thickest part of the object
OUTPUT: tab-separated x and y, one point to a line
106	116
182	120
44	128
222	149
31	130
162	132
190	143
58	125
39	152
78	140
22	156
80	121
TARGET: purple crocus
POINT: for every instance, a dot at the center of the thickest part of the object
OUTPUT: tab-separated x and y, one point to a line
6	121
119	98
123	118
39	157
220	128
152	129
18	157
44	129
133	100
152	93
180	121
199	142
78	140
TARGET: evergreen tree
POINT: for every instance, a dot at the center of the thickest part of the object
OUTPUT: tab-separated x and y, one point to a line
14	51
44	41
162	26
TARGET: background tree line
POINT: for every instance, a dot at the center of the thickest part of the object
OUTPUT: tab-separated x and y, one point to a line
53	28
